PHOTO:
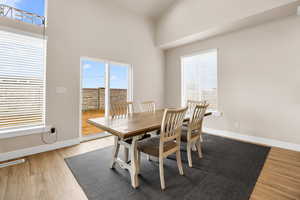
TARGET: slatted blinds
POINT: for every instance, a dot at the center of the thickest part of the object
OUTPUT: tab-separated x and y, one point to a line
200	77
22	80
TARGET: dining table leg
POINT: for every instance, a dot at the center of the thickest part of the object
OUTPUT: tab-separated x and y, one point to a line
133	165
126	154
115	151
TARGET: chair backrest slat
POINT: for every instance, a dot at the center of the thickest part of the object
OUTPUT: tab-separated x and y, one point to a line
196	119
148	106
191	104
171	124
121	110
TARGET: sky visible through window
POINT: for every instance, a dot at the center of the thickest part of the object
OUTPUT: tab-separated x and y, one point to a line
93	74
33	6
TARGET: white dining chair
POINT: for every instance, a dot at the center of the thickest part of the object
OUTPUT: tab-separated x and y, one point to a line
148	106
192	134
121	110
167	143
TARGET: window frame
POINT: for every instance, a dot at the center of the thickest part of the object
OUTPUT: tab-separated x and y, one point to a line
29	129
199	52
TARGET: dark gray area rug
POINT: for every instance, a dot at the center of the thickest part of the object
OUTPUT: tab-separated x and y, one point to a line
228	171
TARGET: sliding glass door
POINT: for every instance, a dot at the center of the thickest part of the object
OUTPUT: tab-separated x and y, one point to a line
103	83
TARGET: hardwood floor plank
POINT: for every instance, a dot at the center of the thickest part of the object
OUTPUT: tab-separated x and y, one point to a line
280	178
3	182
265	192
284	184
283	168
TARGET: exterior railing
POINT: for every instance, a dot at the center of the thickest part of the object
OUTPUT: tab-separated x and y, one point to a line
21	15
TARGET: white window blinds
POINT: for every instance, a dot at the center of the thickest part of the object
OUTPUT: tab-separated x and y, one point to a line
22	80
200	79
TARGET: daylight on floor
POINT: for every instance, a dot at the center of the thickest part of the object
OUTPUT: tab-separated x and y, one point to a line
149	99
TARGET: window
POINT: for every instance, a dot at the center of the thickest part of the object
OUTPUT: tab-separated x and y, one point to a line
199	78
22	81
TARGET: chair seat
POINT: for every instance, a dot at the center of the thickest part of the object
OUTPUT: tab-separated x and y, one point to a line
151	146
184	132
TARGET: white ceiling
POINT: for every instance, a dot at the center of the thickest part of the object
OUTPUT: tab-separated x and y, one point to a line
147	8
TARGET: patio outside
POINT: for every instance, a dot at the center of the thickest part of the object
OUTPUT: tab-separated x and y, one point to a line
93	106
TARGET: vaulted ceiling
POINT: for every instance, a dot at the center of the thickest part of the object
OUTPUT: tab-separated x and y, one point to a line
149	8
180	22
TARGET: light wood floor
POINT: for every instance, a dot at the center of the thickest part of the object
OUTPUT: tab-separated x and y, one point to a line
88	129
280	177
46	176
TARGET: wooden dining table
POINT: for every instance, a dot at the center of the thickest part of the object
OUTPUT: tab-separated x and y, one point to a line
131	127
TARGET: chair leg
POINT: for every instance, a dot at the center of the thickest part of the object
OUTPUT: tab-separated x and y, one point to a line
189	154
115	152
194	148
198	144
201	138
126	154
179	163
161	173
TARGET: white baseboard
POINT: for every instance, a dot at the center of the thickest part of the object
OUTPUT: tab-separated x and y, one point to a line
38	149
11	163
94	136
254	139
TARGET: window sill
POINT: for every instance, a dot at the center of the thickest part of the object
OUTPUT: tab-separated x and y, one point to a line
23	131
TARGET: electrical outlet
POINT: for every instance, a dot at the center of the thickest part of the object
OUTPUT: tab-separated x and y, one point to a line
52	131
298	11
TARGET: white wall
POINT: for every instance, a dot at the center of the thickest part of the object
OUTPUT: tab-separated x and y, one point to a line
193	18
259	82
93	28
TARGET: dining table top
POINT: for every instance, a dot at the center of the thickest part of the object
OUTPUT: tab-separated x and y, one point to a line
133	124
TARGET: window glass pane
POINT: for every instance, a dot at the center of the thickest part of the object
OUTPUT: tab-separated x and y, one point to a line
200	78
118	83
118	76
93	94
93	74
